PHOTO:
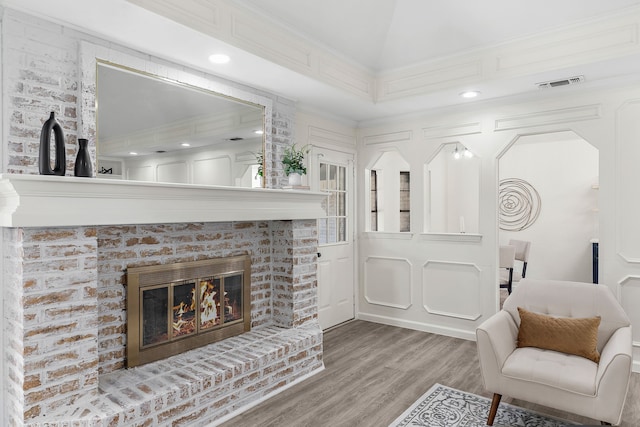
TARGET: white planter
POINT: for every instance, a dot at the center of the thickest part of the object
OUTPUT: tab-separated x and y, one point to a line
295	179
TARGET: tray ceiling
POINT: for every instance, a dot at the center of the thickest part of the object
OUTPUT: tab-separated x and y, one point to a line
387	34
364	60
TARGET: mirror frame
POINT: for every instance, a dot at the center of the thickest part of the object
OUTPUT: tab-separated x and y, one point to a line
91	55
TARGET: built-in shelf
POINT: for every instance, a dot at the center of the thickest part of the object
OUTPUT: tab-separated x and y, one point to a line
42	201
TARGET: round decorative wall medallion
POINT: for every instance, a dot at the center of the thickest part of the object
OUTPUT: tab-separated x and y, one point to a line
519	204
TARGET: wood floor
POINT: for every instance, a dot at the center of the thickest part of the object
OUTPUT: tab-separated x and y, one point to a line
375	372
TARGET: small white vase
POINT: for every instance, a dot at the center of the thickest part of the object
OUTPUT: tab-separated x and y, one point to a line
295	179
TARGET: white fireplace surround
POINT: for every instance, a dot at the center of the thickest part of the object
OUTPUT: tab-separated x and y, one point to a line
280	356
59	201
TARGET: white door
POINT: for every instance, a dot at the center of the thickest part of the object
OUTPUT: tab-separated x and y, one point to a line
333	174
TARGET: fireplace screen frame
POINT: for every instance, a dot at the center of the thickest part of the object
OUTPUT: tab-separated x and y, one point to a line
143	279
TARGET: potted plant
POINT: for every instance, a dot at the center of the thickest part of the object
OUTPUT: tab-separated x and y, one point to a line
258	179
293	161
260	163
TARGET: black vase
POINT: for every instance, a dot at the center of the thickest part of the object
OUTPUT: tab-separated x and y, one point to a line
83	165
45	148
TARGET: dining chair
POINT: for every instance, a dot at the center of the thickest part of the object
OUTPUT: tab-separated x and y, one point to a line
522	254
507	261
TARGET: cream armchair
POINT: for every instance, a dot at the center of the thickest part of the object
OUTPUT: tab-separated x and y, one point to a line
550	378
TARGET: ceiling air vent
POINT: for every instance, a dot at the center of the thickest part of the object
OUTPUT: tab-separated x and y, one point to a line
562	82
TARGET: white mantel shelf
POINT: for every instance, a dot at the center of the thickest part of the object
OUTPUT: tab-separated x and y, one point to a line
57	201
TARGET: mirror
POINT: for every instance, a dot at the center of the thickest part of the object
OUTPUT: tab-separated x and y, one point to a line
157	129
452	178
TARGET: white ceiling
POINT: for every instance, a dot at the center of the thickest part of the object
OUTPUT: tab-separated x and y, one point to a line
388	34
377	35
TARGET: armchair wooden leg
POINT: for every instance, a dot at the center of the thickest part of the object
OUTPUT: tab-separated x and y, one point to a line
494	408
604	423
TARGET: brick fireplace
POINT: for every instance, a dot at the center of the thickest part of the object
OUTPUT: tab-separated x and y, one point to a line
65	316
176	307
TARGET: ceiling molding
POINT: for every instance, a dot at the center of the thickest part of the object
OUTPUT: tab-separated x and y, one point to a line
569	48
201	15
254	33
590	41
346	77
275	44
428	78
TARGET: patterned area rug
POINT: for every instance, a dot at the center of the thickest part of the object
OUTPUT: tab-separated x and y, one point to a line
447	407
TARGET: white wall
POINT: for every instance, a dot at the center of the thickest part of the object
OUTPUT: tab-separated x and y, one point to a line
4	135
450	283
563	172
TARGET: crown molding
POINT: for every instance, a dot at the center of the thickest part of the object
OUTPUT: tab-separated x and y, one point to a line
603	38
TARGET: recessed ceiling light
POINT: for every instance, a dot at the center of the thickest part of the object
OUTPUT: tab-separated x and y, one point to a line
258	132
219	58
185	144
133	153
470	94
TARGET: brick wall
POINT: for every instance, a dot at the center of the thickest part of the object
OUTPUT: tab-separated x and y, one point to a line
283	135
54	322
294	273
40	62
39	65
64	294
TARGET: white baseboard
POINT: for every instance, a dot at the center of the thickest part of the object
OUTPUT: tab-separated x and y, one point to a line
263	398
419	326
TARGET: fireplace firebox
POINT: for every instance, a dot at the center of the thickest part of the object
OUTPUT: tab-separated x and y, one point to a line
177	307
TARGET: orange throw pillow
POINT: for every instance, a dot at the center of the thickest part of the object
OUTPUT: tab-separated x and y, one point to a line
577	336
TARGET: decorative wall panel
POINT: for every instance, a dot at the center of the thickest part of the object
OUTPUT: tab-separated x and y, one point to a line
173	172
213	171
629	297
388	138
445	282
457	129
317	134
563	115
387	281
140	173
627	178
